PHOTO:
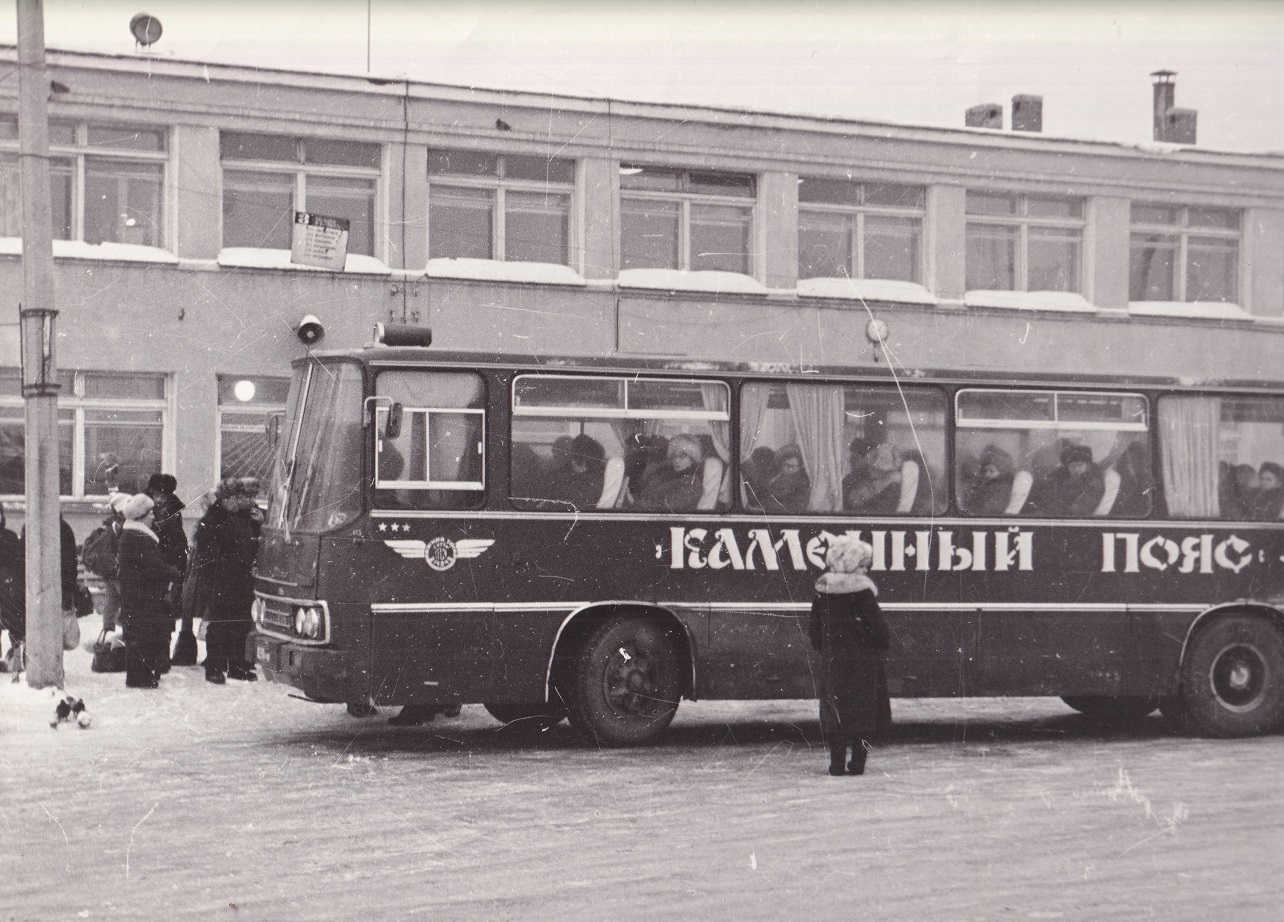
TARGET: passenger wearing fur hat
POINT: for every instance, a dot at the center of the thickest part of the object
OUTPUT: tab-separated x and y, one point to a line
221	581
991	486
676	483
1267	503
849	632
144	578
1073	488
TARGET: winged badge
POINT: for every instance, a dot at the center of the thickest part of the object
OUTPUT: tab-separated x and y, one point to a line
440	553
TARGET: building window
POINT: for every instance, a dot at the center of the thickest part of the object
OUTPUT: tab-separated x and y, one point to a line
859	230
267	178
111	432
506	207
249	408
1023	242
106	182
1184	254
679	219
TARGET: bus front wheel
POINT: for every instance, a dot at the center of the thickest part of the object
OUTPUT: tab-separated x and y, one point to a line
1232	680
1117	709
626	682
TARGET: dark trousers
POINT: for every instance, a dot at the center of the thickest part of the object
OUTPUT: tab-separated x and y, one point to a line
225	645
146	655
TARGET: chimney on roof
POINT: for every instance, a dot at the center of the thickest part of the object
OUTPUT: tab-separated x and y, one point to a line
1027	113
986	115
1170	123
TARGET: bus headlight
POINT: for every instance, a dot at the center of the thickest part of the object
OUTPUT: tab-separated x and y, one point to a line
309	622
258	610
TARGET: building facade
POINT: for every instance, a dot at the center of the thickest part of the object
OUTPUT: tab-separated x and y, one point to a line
533	224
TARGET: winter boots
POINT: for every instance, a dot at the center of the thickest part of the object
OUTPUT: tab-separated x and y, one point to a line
838	755
184	649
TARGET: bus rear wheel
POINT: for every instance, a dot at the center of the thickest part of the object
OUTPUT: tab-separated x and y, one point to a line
533	716
1112	708
1232	680
625	686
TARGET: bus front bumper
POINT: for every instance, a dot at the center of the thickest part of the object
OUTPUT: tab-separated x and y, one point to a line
323	675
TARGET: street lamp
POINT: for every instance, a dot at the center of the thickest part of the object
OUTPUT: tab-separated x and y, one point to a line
39	375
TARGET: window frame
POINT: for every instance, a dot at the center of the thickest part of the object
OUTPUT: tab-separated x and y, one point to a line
79	149
1182	232
501	185
300	169
77	404
1022	222
859	212
266	409
685	198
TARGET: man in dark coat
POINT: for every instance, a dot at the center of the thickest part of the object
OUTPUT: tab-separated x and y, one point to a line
168	516
144	578
1074	488
848	630
226	542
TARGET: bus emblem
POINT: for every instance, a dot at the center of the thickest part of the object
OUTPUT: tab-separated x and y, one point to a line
441	553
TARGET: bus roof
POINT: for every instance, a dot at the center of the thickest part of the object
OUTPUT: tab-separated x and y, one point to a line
377	356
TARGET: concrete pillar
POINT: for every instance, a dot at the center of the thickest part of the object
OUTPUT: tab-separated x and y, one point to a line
945	242
196	188
778	237
407	206
1105	252
599	237
1262	263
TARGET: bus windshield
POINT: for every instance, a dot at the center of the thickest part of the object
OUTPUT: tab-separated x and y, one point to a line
317	483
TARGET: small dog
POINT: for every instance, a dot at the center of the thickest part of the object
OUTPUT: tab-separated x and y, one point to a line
70	710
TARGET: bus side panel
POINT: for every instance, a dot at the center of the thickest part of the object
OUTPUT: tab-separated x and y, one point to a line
930	653
523	643
756	654
1051	653
431	656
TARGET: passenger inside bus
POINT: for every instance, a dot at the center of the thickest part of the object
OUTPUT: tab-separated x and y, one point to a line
789	491
1074	488
882	481
989	488
576	471
675	484
755	474
1268	501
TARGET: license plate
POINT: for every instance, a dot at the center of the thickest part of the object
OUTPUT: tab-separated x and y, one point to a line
265	657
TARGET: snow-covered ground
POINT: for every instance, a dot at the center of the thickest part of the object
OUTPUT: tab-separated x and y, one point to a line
237	801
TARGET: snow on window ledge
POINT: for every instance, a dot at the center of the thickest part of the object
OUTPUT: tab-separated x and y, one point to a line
704	280
1065	301
77	249
255	258
866	290
494	270
1208	310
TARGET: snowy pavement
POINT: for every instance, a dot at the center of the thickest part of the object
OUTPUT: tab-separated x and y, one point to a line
197	801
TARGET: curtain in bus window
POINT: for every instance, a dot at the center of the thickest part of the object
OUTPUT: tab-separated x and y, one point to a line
1190	451
817	413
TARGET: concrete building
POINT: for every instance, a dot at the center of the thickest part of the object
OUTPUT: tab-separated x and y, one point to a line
538	224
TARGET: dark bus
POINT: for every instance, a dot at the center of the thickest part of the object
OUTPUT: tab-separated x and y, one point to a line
597	539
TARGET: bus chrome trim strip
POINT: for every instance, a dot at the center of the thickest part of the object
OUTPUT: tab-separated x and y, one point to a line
389	608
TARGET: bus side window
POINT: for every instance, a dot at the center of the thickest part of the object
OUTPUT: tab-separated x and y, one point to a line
1223	457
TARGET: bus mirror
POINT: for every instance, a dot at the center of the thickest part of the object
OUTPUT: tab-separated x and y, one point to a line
392	428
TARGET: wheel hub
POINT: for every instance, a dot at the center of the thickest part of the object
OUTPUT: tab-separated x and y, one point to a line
1238	677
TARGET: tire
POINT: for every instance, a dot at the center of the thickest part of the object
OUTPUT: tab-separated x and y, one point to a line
1232	678
626	681
534	716
1118	709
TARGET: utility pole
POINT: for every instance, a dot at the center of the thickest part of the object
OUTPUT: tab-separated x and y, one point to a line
37	316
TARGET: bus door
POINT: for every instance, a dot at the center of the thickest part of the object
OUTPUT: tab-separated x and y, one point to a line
431	633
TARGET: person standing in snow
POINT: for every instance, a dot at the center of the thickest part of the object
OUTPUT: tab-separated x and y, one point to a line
226	542
144	578
847	628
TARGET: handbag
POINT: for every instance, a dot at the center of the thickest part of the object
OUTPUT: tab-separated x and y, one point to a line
70	629
109	655
84	601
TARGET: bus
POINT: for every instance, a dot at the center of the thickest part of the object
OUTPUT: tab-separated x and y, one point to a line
599	538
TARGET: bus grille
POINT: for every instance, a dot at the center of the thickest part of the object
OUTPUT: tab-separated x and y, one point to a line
278	615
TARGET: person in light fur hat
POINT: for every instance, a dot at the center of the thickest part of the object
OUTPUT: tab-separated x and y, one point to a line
848	630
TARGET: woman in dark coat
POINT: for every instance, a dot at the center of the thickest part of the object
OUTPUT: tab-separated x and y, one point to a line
144	577
226	541
848	629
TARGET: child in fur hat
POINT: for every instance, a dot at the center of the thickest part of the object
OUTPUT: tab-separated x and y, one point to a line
848	630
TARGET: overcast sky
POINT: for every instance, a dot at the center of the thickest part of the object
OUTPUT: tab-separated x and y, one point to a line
909	62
